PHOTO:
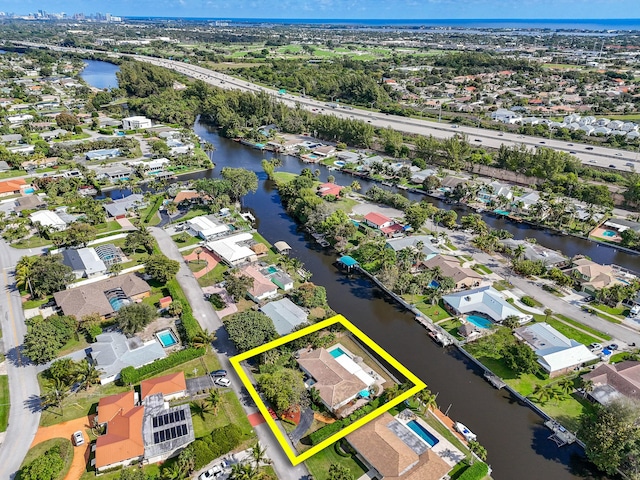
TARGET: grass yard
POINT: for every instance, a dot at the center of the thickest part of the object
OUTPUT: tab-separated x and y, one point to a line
501	285
284	176
31	242
36	302
11	174
66	451
4	402
195	212
229	412
481	269
214	276
620	311
572	332
197	265
356	349
434	312
319	464
191	240
586	328
452	326
108	227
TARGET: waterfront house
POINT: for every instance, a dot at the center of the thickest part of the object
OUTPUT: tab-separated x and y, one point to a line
262	287
615	381
207	227
114	173
382	223
450	267
234	250
426	243
485	300
593	276
557	354
285	315
136	123
535	252
336	384
122	207
326	189
394	452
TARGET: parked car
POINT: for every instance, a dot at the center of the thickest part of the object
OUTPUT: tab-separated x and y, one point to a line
225	382
612	346
213	472
219	373
595	347
78	438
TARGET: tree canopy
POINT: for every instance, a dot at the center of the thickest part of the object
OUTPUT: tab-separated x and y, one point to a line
161	268
249	329
284	388
134	317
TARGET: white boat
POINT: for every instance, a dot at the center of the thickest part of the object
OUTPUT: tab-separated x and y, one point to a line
465	432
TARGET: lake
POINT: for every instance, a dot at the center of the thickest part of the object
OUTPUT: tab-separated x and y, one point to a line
100	74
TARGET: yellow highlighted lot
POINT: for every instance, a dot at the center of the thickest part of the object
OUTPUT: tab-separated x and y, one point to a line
293	456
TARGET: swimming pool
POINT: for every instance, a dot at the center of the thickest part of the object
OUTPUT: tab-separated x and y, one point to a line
433	284
271	269
29	190
336	352
608	233
166	338
117	303
339	163
479	322
423	433
312	155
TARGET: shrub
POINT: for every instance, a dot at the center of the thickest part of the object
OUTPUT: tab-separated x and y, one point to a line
477	471
217	301
338	448
528	301
130	375
190	326
46	467
203	454
224	439
325	432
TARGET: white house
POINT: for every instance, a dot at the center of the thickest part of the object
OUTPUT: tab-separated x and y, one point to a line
206	227
233	250
49	219
136	123
556	353
486	300
505	116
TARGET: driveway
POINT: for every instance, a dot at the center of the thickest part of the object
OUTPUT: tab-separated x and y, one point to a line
224	348
65	430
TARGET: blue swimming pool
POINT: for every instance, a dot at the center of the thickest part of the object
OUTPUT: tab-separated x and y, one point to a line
29	190
336	352
271	269
117	303
608	233
166	338
479	322
433	284
423	433
339	163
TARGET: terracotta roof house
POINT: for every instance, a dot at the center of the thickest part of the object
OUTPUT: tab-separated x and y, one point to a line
329	189
104	297
383	223
189	196
390	448
11	187
450	267
262	288
613	381
335	384
171	386
147	431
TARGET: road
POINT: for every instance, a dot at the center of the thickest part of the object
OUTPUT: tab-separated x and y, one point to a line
225	349
623	160
24	415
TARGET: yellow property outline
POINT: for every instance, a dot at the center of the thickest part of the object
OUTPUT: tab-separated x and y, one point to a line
282	440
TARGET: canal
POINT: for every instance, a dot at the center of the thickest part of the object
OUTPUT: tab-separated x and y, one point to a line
517	442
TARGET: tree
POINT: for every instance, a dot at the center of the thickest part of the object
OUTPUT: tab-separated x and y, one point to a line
134	317
249	329
87	374
67	121
132	474
238	285
161	268
49	275
338	471
520	358
478	449
174	472
78	234
214	400
140	238
45	337
512	321
309	295
284	388
115	269
46	467
24	273
175	309
416	215
201	408
430	183
612	436
259	454
241	181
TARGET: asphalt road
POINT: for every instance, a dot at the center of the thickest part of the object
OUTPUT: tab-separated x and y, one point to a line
225	349
24	415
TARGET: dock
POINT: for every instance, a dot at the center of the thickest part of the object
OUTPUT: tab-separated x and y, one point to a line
561	436
494	380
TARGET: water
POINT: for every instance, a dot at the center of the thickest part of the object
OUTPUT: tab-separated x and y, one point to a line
423	433
514	435
337	352
100	74
167	338
479	322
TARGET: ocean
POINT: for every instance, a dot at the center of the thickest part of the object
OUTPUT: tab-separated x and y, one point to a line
519	24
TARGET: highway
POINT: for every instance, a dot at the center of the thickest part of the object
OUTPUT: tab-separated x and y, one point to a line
597	156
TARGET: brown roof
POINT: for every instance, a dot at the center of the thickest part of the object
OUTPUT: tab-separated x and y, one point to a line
450	267
261	284
123	440
186	195
259	248
334	382
167	385
87	299
109	406
29	203
624	377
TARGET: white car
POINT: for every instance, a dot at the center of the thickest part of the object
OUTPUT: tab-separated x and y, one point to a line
222	382
78	438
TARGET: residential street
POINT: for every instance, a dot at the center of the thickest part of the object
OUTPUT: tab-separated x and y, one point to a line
208	319
24	415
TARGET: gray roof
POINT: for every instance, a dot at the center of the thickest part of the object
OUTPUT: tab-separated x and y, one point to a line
154	408
113	351
401	243
104	152
285	315
281	278
84	260
485	300
536	252
4	165
122	205
30	202
11	137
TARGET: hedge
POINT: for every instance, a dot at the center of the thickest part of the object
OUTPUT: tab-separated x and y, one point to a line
477	471
528	301
221	440
154	209
325	432
130	375
190	326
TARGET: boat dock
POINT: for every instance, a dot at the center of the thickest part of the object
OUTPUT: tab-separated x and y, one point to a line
433	332
494	380
560	435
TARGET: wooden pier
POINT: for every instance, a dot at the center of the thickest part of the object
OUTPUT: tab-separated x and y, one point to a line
494	380
560	435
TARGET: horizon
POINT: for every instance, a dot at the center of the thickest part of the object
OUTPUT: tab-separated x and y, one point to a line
353	10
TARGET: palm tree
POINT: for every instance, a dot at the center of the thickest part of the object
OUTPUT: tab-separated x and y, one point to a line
565	386
201	408
355	186
258	453
244	471
187	459
587	387
172	208
426	399
55	395
478	449
203	339
542	393
88	374
23	272
214	399
198	252
547	313
115	269
519	251
174	472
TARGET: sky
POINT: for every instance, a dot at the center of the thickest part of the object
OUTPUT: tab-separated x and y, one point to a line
341	9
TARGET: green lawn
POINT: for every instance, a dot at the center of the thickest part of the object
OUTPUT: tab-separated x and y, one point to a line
190	241
66	451
4	402
197	265
284	176
434	312
229	412
620	311
319	464
31	242
214	276
481	269
108	227
586	328
195	212
36	303
11	174
452	326
571	332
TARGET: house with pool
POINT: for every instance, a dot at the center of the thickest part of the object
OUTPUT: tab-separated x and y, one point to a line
403	447
342	383
482	306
